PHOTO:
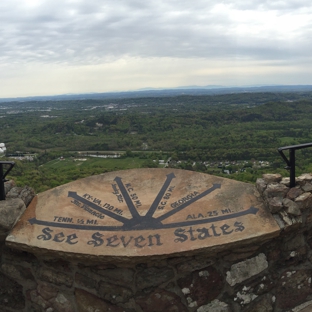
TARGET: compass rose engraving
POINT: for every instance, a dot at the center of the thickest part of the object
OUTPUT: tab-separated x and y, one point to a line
148	221
142	212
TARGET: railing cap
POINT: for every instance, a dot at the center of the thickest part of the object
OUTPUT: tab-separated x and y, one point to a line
299	146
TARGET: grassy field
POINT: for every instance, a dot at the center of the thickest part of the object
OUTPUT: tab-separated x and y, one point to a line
107	164
60	171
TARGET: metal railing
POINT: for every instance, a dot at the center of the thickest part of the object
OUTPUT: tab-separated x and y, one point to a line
291	162
3	175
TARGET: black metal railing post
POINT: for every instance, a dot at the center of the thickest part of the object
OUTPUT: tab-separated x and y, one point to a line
2	190
292	169
291	163
3	175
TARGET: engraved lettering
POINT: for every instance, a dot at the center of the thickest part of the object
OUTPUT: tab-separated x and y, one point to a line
150	240
203	233
184	200
59	237
63	219
111	240
97	240
138	240
120	198
118	211
91	221
224	229
191	234
180	234
70	239
125	244
47	236
97	201
88	209
214	230
239	227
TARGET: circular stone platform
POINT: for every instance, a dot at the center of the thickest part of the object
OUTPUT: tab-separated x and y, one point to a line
142	212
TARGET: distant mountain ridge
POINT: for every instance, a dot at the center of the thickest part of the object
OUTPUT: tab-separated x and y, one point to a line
154	92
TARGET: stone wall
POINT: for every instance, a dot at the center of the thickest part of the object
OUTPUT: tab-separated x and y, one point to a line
272	275
17	199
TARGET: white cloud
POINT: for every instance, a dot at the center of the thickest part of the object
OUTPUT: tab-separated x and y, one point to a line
98	34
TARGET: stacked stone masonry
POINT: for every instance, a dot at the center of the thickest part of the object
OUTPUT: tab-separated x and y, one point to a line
273	275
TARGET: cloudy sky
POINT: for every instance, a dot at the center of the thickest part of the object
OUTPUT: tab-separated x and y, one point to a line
75	46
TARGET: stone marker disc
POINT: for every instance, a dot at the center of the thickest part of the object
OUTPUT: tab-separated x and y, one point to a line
142	212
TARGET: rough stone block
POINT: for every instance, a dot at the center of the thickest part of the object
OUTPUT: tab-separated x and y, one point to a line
291	223
279	221
304	201
233	257
118	276
22	258
57	278
276	190
294	192
87	302
86	281
59	265
9	185
263	285
297	221
161	300
293	288
215	306
113	293
285	181
18	273
245	296
47	291
261	304
309	218
201	286
294	257
287	220
241	271
307	187
300	181
261	185
291	207
306	177
275	204
11	294
10	211
153	277
14	192
304	307
272	177
27	194
194	264
273	254
62	303
293	242
36	298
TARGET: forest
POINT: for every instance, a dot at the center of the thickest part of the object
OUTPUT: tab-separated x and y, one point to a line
190	130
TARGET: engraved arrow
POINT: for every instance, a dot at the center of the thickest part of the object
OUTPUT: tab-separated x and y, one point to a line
117	217
159	196
127	198
251	210
186	204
